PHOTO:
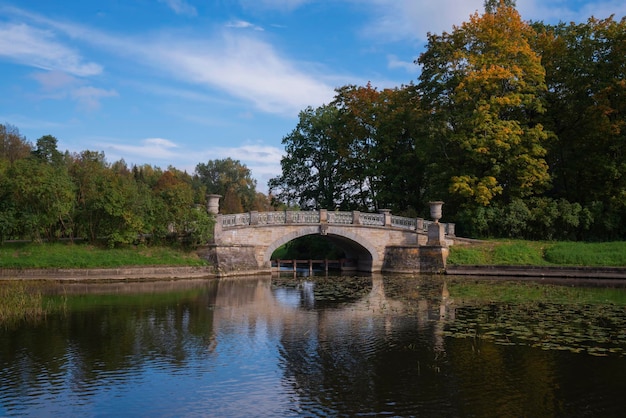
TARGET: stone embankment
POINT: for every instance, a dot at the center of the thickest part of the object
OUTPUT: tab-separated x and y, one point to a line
121	273
539	272
168	273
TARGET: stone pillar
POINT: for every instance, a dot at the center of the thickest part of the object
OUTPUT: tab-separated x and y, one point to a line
217	230
387	213
356	217
436	235
436	231
213	203
323	216
254	217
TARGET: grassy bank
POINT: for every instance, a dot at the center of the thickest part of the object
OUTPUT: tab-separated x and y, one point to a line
68	255
539	253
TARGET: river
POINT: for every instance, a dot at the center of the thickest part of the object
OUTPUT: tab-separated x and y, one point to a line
286	346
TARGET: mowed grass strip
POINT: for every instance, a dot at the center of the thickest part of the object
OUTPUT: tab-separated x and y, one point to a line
540	253
80	255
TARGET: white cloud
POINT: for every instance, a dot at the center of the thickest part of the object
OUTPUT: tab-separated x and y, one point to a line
38	48
160	142
553	11
89	97
148	149
256	153
58	85
244	67
242	24
282	5
55	80
413	19
181	7
394	62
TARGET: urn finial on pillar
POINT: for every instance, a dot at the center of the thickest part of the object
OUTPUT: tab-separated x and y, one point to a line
435	210
213	203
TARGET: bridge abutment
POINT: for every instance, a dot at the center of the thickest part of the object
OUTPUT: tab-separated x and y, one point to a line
233	260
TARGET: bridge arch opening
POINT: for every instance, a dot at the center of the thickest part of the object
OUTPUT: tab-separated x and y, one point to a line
352	247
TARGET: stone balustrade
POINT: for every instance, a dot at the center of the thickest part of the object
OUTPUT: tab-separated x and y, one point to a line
323	216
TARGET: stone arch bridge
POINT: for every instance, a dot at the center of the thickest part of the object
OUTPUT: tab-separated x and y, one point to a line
378	242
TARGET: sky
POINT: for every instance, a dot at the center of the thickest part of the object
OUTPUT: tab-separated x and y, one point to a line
182	82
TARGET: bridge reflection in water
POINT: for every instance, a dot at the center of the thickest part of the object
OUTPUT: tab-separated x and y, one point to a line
293	305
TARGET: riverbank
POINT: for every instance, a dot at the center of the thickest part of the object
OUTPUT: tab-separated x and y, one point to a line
82	262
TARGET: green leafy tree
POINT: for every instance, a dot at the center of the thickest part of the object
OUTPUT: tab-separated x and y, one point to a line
176	197
386	156
230	179
126	203
46	150
483	84
357	135
7	205
314	166
110	203
91	175
43	198
586	100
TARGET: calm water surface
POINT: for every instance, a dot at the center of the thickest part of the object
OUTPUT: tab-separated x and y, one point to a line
335	346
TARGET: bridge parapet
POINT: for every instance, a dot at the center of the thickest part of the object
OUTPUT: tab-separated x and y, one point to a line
384	219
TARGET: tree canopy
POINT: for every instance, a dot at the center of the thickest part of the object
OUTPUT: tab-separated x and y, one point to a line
517	126
47	194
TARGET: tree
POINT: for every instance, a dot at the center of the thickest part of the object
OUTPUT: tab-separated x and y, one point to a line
232	180
13	146
176	203
357	134
91	174
360	152
313	167
46	150
43	198
585	74
380	135
482	84
7	205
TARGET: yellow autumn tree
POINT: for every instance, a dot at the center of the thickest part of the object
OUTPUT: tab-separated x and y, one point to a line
482	84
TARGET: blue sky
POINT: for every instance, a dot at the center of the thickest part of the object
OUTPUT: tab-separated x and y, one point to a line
179	82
